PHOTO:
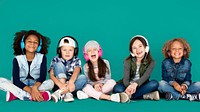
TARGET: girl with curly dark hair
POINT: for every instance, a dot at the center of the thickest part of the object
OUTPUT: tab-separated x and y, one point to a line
29	68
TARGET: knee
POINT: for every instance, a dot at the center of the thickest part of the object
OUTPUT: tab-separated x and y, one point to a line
51	83
118	88
112	82
3	79
154	84
162	83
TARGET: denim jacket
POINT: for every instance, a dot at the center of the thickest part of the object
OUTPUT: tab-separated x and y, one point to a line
179	72
34	68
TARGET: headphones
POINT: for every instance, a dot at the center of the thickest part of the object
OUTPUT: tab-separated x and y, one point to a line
75	49
100	52
22	44
146	48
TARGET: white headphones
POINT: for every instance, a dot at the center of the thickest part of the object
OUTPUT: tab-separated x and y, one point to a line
146	48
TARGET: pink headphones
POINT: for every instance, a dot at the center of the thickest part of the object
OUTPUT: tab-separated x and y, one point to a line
100	52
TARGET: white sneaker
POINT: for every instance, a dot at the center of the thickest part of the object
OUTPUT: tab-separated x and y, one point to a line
81	95
56	95
68	97
115	97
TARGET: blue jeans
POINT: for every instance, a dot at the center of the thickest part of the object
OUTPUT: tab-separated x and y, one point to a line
166	87
60	72
147	87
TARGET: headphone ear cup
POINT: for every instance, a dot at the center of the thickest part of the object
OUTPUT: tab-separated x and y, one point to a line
147	49
22	45
86	56
39	48
132	54
100	51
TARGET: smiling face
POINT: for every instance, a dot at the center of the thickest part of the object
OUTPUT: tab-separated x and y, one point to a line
93	54
138	49
31	44
176	51
67	52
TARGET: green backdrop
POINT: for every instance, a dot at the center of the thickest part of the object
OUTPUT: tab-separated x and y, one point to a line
111	22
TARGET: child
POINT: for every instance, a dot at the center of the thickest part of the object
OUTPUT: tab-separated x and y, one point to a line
29	68
99	75
64	70
176	72
137	70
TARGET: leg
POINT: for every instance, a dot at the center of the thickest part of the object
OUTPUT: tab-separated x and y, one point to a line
91	92
144	89
80	82
108	86
118	88
7	86
47	85
194	88
165	87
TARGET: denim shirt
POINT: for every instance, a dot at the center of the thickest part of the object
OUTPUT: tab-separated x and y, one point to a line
34	68
179	72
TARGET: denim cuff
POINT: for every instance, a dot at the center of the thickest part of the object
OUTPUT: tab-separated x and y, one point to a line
171	83
62	75
187	83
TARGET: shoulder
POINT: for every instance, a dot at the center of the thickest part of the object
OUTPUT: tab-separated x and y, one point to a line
106	61
187	62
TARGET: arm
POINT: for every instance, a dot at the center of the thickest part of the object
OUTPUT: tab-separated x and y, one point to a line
127	69
76	72
15	75
108	74
43	70
146	74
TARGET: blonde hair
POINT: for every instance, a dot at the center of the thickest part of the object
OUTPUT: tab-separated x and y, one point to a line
167	46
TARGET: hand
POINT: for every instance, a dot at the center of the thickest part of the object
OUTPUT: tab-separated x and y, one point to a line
36	95
71	86
177	86
131	88
62	86
98	87
184	89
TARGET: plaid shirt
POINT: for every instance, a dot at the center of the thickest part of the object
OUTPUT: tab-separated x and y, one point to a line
70	64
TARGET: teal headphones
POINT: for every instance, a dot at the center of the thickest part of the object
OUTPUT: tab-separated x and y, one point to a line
23	45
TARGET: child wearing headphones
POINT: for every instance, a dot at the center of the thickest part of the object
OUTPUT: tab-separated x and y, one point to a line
29	68
176	72
137	70
65	69
98	72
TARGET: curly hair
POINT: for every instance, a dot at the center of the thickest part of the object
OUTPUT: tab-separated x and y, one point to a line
22	36
167	46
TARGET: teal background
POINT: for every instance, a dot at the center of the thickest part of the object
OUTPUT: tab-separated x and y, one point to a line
112	23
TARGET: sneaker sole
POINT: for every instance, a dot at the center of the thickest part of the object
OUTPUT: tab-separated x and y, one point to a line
157	96
54	98
124	97
69	100
49	94
7	96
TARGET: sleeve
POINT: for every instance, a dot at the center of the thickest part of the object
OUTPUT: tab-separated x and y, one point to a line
15	75
43	70
165	75
85	68
188	76
78	63
146	74
108	73
127	69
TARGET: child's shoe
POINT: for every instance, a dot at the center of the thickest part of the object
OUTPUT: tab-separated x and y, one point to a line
115	97
168	96
152	96
81	95
10	96
124	97
68	97
46	95
56	95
